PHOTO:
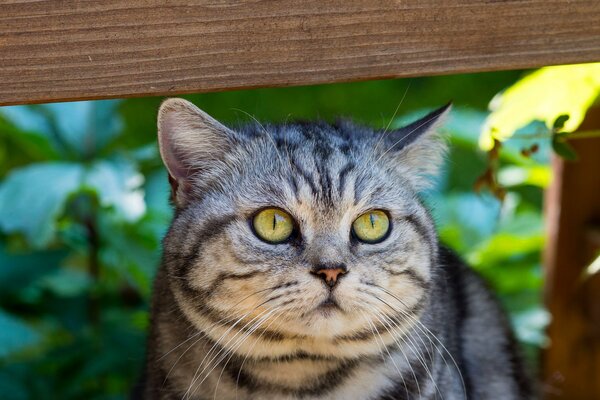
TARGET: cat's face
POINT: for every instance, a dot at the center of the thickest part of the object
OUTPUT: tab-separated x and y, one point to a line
304	230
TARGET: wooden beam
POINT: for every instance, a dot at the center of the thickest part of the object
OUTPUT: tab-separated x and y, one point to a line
67	50
572	362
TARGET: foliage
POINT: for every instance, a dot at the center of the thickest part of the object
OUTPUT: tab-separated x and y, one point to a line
558	96
83	206
538	111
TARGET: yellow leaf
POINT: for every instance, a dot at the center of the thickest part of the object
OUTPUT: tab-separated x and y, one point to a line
543	95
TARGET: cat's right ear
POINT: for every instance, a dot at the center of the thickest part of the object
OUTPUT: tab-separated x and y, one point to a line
192	146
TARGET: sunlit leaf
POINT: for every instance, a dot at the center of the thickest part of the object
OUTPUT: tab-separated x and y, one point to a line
594	267
503	246
536	175
31	198
546	95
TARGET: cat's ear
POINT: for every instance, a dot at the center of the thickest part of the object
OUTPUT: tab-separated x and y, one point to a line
192	145
419	148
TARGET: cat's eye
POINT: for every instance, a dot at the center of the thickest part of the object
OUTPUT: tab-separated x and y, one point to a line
371	227
273	225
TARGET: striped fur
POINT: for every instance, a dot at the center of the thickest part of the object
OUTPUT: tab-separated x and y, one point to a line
236	318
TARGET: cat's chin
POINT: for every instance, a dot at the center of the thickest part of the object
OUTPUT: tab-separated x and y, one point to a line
328	307
327	320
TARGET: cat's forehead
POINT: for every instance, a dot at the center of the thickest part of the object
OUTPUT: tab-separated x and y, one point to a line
310	147
312	168
321	136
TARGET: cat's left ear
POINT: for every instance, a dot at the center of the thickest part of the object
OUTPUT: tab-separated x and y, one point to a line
192	145
419	148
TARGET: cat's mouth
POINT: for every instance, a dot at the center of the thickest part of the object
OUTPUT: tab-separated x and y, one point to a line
328	306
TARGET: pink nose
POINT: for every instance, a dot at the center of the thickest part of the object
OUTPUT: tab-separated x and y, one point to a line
330	275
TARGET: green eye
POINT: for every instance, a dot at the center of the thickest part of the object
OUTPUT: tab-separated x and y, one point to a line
273	225
371	227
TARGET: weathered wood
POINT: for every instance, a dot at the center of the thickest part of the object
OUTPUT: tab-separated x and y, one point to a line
571	367
66	50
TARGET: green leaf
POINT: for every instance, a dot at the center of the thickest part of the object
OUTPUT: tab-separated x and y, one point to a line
86	126
503	246
12	388
559	123
468	218
548	94
32	198
530	326
15	335
67	282
117	184
18	270
564	149
25	145
27	118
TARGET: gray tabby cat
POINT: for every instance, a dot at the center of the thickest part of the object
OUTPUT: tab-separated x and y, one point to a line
301	264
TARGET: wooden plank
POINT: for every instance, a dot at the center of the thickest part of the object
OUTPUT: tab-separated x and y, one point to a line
54	50
571	364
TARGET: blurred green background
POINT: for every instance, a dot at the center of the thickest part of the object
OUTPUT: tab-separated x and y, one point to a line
83	207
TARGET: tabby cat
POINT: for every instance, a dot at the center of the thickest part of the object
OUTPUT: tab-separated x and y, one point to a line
301	264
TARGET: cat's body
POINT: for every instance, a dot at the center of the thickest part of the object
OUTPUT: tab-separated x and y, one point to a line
322	314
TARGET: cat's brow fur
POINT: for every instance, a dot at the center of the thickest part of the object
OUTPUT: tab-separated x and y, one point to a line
234	317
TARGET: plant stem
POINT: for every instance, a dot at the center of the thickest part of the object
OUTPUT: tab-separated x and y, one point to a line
570	136
94	267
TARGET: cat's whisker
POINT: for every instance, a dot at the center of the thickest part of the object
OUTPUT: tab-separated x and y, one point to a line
405	358
402	333
224	347
201	334
390	323
374	330
427	332
237	381
225	319
268	135
409	134
236	347
407	334
238	342
206	365
382	135
218	342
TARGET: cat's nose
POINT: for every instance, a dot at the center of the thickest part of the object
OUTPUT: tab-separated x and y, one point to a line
329	273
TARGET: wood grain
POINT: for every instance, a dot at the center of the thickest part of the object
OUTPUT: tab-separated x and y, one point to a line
572	361
66	50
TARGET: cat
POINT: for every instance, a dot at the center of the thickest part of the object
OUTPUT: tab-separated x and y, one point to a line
302	264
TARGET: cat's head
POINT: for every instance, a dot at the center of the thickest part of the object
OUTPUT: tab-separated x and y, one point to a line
304	229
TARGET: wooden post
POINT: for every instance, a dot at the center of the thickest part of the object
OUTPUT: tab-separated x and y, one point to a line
571	364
